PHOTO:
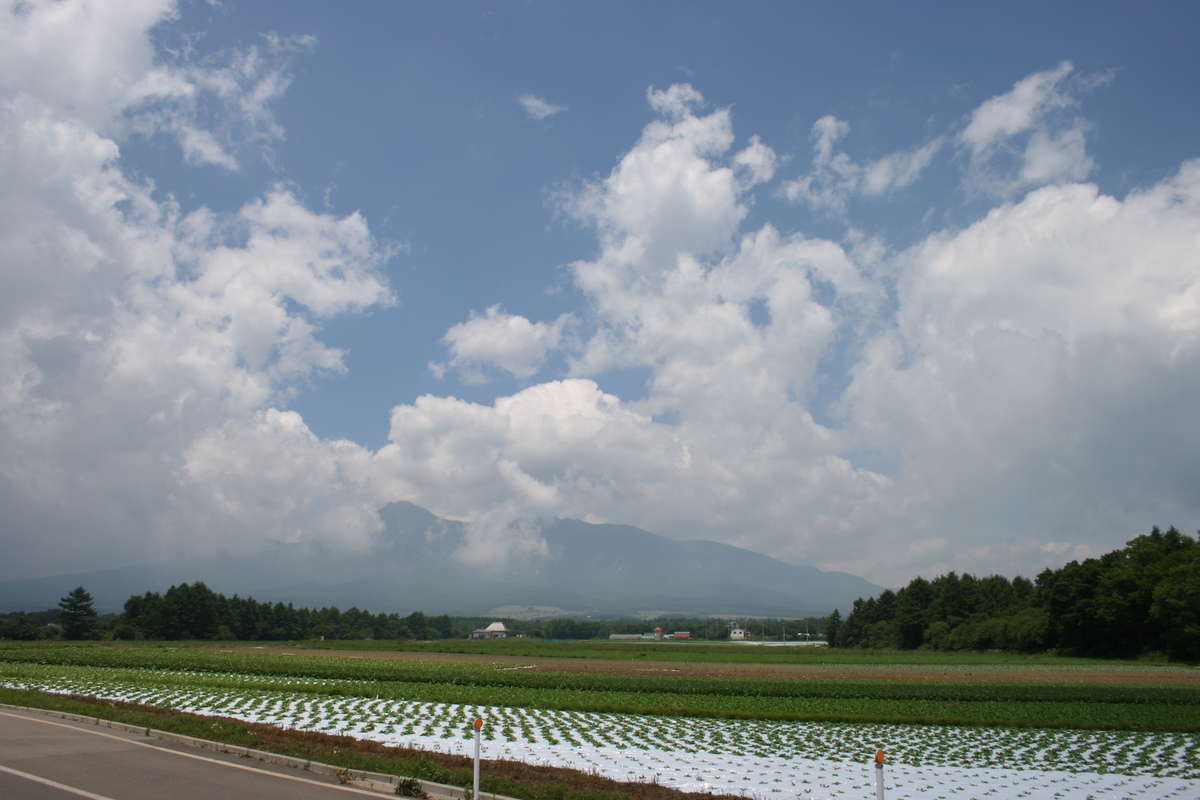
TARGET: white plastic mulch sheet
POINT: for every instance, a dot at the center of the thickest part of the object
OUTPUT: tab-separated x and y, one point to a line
754	758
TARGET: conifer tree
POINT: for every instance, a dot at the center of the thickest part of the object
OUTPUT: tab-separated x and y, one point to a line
833	626
77	614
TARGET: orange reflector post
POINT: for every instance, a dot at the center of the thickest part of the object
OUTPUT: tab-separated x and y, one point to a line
479	724
878	756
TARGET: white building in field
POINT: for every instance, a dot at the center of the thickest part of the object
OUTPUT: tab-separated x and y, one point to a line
494	631
737	634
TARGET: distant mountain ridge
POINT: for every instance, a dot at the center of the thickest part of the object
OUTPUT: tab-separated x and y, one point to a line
588	569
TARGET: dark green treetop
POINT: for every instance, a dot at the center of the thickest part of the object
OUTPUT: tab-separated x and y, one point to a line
77	614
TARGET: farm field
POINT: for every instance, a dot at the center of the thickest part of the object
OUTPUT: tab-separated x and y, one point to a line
700	651
696	652
760	736
762	663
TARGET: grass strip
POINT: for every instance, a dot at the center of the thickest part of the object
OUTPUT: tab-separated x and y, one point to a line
512	778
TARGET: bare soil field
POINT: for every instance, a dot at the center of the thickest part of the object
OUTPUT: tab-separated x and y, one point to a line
1100	674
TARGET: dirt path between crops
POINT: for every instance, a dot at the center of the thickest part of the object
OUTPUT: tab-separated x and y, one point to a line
905	672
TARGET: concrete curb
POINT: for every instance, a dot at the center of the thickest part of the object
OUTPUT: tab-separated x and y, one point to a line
377	781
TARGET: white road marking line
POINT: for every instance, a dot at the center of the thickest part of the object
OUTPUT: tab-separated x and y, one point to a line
297	778
47	782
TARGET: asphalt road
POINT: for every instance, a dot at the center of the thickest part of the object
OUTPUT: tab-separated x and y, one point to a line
50	759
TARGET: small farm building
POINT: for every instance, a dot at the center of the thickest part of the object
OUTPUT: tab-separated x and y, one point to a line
494	631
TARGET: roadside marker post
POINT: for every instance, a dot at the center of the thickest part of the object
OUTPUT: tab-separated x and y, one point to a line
475	790
878	775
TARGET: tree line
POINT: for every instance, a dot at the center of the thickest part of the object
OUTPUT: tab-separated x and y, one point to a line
196	612
75	618
1141	599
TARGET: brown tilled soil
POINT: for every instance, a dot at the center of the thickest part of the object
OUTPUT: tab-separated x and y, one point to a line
905	672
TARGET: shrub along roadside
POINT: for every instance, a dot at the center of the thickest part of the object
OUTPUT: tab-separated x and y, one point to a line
511	778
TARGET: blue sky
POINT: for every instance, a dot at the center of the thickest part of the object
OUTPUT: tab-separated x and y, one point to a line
408	114
894	289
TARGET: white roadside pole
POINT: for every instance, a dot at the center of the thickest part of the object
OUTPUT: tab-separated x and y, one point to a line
475	789
878	775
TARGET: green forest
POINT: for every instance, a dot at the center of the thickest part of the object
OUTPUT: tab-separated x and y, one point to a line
195	612
1140	600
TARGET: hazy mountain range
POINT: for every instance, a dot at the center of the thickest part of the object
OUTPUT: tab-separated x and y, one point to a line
586	569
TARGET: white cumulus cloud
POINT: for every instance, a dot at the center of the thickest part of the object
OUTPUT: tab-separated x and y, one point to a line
99	68
145	349
1015	391
507	341
1011	391
1035	385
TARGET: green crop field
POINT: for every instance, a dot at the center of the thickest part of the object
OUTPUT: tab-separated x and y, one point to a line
719	652
950	726
1033	704
671	651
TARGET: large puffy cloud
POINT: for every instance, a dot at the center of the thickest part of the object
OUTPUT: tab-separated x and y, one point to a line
1016	392
1038	382
730	328
81	58
733	331
140	343
1001	396
543	450
567	448
268	477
